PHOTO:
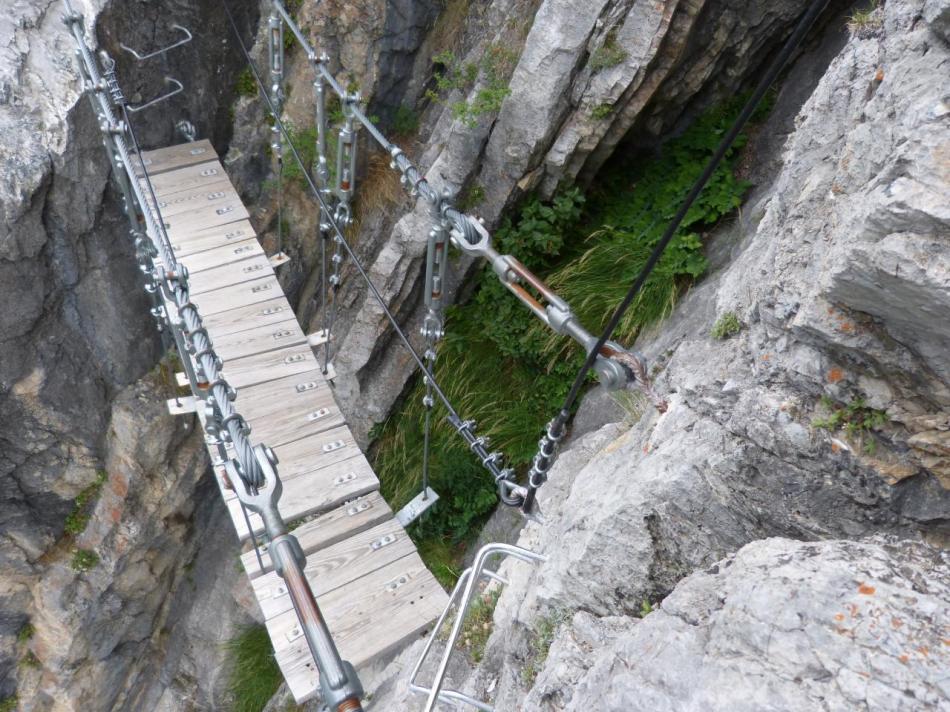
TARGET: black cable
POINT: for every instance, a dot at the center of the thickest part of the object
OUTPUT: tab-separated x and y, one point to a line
804	24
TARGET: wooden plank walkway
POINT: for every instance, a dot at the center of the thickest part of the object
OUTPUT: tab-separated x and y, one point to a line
373	588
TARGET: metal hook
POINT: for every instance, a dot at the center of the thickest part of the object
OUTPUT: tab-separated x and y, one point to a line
168	80
141	57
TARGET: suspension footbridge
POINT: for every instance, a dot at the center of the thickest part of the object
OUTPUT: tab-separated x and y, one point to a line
341	585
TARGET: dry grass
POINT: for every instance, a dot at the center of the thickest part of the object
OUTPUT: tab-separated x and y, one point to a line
448	27
381	187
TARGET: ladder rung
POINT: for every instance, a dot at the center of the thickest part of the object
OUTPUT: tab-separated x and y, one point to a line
182	406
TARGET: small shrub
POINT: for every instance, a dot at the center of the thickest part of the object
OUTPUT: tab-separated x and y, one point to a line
726	325
478	624
9	704
540	644
405	121
77	520
855	418
646	608
602	111
609	54
254	675
25	633
246	84
493	70
84	560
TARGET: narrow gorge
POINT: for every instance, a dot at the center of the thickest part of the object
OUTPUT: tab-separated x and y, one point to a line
775	538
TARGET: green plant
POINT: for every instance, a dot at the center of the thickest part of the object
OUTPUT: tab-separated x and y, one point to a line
646	608
84	560
30	660
726	325
253	673
472	197
609	54
405	121
539	644
25	633
602	111
77	519
478	624
867	21
246	84
9	704
856	418
492	71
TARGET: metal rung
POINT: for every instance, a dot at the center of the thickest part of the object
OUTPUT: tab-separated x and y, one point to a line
331	372
182	380
419	504
182	406
278	259
318	338
142	57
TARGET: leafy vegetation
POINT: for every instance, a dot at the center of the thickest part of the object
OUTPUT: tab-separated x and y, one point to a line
77	519
25	633
646	608
9	704
30	660
609	54
478	624
856	418
491	73
602	111
84	560
471	198
246	85
867	21
254	675
540	644
405	121
726	325
503	368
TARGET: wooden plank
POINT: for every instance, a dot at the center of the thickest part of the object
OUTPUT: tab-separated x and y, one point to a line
316	414
338	565
240	295
227	275
228	254
261	339
216	237
183	201
197	220
272	310
328	529
333	449
369	618
187	178
314	493
172	157
268	366
285	393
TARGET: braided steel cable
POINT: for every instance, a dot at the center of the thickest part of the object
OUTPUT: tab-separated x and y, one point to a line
491	461
172	276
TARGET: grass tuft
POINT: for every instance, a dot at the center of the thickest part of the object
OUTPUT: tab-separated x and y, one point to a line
609	54
855	418
26	633
867	21
478	624
84	560
254	675
9	704
726	325
540	644
77	519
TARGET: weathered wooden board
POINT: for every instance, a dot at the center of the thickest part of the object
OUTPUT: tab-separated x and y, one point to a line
337	565
369	618
272	310
230	274
317	492
186	200
317	414
200	219
328	529
240	295
216	237
267	337
284	393
227	254
268	366
187	178
172	157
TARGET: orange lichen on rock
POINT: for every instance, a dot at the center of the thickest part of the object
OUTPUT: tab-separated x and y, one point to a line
866	590
835	375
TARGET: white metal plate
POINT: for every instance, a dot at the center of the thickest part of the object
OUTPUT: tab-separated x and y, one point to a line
419	504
